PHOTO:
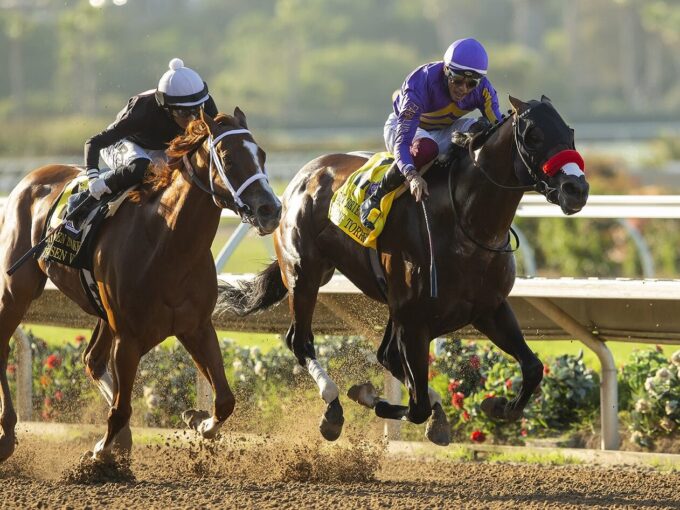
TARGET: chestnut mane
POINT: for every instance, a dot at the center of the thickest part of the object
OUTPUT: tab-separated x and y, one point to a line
161	173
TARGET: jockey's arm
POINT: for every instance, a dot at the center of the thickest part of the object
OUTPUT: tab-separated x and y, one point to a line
407	125
489	102
120	129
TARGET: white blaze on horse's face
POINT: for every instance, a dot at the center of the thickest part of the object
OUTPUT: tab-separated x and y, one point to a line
572	169
253	148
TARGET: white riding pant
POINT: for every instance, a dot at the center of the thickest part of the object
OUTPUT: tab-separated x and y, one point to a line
442	137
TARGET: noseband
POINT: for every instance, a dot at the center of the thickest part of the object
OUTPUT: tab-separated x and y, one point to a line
222	200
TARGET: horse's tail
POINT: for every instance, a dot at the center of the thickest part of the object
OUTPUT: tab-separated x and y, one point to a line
263	291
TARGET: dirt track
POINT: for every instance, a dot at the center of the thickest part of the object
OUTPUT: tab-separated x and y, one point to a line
271	472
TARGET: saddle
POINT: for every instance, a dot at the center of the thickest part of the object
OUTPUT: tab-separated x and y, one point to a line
73	241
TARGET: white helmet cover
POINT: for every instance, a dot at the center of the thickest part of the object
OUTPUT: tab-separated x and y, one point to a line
181	87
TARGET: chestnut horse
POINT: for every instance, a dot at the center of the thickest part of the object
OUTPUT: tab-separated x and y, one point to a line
472	202
152	263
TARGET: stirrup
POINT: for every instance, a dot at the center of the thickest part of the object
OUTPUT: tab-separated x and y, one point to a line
371	218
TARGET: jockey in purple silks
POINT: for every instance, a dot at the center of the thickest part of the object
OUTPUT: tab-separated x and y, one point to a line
143	130
427	110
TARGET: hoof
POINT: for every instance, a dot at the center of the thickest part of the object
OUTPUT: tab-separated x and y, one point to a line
364	394
494	407
7	445
122	444
332	421
194	417
438	429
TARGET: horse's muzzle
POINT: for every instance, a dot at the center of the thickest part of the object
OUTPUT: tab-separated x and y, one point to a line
573	194
267	216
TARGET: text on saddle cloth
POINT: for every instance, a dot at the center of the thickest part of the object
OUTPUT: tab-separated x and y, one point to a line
72	244
347	200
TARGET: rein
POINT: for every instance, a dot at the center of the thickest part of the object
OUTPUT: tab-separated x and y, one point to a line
506	248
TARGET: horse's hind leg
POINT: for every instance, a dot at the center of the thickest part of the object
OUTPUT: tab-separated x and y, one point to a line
205	351
125	359
96	358
300	339
16	293
503	330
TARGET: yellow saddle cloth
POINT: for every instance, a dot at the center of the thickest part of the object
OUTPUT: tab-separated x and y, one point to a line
346	201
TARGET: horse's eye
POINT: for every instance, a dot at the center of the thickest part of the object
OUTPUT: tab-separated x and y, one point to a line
534	137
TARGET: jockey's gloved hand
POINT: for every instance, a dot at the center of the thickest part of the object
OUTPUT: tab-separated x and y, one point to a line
480	125
416	183
98	187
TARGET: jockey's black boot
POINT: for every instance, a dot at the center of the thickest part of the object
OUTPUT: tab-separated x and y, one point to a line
370	208
75	200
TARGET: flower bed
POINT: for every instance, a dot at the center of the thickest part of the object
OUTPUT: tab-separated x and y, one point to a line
464	374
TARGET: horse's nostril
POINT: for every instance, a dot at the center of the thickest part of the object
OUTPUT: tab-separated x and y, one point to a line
571	188
269	211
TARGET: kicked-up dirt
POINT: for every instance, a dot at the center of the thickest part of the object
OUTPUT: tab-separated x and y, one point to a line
296	472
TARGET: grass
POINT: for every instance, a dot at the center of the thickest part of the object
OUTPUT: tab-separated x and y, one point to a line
56	336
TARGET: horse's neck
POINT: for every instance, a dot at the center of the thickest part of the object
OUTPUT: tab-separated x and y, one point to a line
487	209
191	218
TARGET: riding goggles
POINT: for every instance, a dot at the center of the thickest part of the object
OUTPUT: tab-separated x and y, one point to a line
187	113
459	77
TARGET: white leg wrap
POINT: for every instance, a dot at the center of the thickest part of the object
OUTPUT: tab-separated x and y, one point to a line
209	427
327	388
435	398
99	449
105	384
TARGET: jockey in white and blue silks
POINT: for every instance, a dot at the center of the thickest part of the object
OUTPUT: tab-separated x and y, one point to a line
427	110
142	131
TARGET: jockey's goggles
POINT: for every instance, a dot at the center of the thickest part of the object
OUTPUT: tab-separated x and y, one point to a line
459	77
186	113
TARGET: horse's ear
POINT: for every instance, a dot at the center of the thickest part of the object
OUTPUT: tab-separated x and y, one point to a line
240	117
519	105
545	99
209	121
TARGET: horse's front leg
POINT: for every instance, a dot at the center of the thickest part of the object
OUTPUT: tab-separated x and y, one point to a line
394	355
503	330
300	340
204	348
126	356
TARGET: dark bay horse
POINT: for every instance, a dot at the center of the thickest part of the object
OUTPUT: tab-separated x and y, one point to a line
152	263
473	200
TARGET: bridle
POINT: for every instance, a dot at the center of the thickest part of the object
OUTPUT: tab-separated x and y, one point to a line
219	199
539	185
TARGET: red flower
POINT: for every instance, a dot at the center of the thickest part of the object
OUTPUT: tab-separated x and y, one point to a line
466	416
474	362
457	400
58	395
546	370
508	384
524	432
489	395
79	339
478	436
11	369
453	386
53	361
